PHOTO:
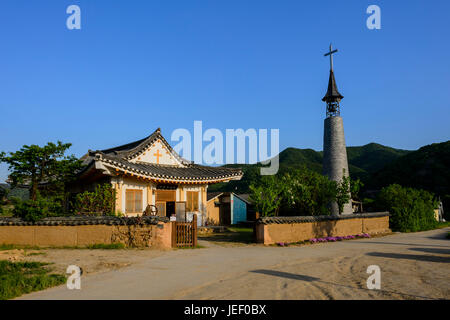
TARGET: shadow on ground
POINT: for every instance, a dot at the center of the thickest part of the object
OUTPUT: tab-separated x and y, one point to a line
306	278
232	235
440	236
286	275
396	243
432	250
415	257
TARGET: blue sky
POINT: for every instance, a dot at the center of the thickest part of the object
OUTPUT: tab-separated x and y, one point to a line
138	65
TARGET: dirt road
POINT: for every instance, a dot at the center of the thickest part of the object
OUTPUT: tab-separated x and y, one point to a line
413	266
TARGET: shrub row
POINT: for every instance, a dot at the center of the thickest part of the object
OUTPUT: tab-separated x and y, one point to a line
411	209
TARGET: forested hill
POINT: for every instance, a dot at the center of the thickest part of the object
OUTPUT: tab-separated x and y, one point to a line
427	168
363	161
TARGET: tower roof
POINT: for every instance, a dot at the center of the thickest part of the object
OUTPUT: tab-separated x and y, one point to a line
332	94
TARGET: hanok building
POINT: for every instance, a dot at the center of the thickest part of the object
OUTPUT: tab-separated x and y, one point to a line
149	174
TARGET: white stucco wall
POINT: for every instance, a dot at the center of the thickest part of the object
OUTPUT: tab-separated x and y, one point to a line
149	155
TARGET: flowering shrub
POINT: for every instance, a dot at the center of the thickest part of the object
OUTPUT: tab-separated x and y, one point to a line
326	239
334	239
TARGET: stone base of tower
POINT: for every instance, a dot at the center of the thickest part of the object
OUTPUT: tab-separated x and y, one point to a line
335	163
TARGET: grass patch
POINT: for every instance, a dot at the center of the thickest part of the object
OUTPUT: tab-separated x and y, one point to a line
241	230
441	225
196	247
18	278
26	254
4	247
233	234
106	246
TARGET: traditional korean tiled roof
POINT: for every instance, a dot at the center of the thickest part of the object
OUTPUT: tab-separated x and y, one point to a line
134	149
303	219
83	220
118	159
191	172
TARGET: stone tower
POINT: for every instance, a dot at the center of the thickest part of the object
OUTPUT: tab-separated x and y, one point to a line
334	149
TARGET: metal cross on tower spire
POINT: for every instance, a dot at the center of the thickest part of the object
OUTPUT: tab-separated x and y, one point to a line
332	97
330	53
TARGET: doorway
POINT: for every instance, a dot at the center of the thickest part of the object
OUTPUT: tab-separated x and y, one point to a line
170	208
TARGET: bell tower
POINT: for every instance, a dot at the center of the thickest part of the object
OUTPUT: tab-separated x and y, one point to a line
335	163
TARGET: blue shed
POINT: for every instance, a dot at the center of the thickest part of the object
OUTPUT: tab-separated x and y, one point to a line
238	209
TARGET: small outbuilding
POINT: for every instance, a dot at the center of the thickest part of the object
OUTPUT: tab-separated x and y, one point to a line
226	208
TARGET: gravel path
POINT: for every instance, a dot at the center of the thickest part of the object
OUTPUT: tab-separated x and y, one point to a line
413	266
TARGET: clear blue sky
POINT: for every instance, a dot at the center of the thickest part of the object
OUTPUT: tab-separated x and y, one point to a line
138	65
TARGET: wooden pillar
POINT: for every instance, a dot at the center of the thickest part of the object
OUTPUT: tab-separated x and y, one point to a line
181	190
119	197
149	194
194	231
173	225
203	205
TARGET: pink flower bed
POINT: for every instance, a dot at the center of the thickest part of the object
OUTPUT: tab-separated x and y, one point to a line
334	239
329	239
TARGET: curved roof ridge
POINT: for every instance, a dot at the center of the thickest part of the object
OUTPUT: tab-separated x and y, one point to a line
129	147
132	149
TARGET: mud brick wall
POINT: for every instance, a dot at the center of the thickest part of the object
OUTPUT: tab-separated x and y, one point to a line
62	232
271	230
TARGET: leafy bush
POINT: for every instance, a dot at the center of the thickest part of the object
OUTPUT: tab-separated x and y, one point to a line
446	202
3	194
300	192
411	209
267	195
100	202
343	195
34	210
307	192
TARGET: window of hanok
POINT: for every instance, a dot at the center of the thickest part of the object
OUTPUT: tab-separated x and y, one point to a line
133	201
191	201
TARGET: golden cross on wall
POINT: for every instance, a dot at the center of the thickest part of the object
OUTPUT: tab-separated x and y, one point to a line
157	155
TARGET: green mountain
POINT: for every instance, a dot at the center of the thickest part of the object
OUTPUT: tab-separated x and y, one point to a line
363	161
427	168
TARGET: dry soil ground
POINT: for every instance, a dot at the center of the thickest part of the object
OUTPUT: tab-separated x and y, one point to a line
413	266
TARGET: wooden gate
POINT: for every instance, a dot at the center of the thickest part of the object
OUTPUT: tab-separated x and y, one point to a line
184	234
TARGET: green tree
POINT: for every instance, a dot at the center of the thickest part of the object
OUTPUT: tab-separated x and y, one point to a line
3	194
307	192
48	165
267	195
355	188
343	192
